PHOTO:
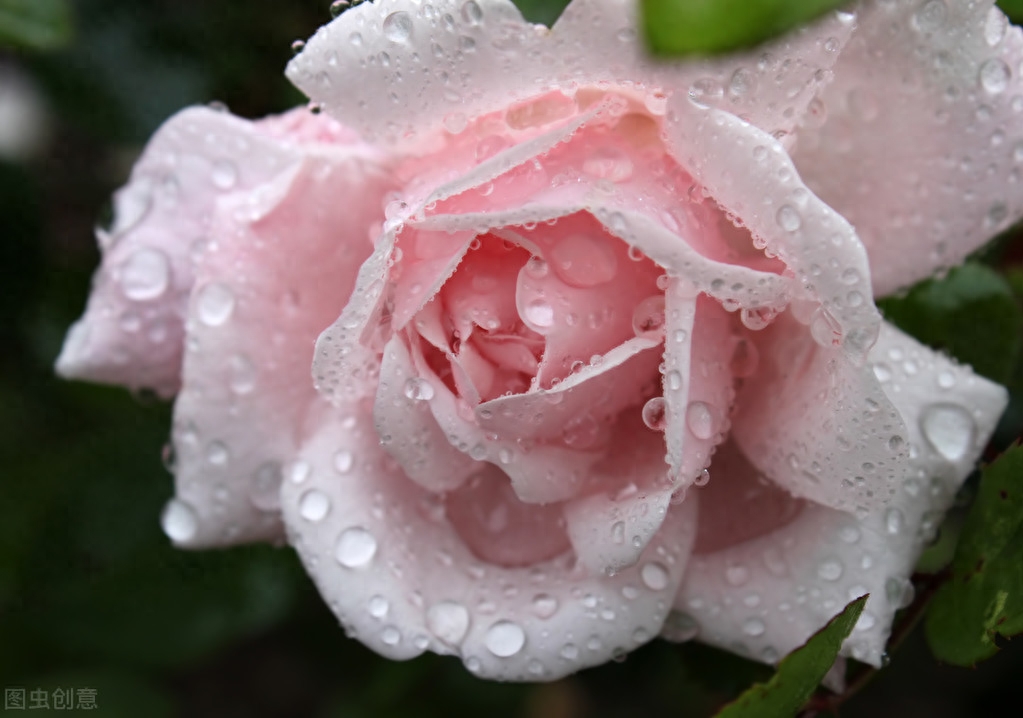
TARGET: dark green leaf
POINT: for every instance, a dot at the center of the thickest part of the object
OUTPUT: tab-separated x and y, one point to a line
35	24
1012	8
799	673
545	11
972	314
687	27
984	599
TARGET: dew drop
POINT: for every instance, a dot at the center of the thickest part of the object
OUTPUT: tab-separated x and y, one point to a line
582	261
680	627
472	13
378	606
830	569
538	315
737	574
215	304
994	75
179	521
700	420
648	317
789	218
243	374
949	429
299	471
343	461
314	505
145	275
753	627
654	575
893	521
418	389
545	605
355	547
449	621
505	639
390	635
225	174
217	453
655	413
398	27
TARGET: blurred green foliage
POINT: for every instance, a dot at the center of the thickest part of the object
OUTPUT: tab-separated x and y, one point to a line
92	594
35	24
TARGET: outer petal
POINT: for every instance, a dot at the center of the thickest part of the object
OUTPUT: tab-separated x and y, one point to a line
765	595
132	332
451	61
402	581
923	138
274	275
819	425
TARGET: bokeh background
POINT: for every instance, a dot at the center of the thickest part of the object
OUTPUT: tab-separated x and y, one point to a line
91	593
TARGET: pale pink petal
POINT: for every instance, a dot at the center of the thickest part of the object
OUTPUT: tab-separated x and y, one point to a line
472	58
610	529
765	595
698	381
132	332
818	424
402	580
274	274
922	143
751	176
407	429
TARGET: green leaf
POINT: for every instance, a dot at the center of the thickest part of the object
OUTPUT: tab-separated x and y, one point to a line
688	27
799	673
1012	8
984	599
972	314
543	11
35	24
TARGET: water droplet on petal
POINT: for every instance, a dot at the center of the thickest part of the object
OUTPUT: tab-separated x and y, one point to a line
655	576
343	461
449	621
505	639
355	547
789	218
583	261
648	318
215	304
700	420
145	275
680	627
225	174
753	627
314	505
545	605
243	374
390	635
893	521
398	27
179	521
994	75
418	389
655	413
538	315
949	429
830	569
378	606
471	13
299	471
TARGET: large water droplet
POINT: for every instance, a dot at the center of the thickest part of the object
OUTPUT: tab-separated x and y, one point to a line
472	13
505	639
583	261
398	27
700	420
655	576
930	16
949	429
418	389
648	317
314	505
215	304
994	75
145	274
539	315
179	521
449	621
655	413
545	605
355	547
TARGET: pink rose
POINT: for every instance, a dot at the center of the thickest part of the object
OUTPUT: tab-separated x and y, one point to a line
596	351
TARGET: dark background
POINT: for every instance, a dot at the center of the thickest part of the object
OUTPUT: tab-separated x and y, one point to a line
91	593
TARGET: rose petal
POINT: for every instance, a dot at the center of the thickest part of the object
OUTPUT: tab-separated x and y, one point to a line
131	332
819	425
402	581
752	177
274	275
407	428
765	596
480	56
922	143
